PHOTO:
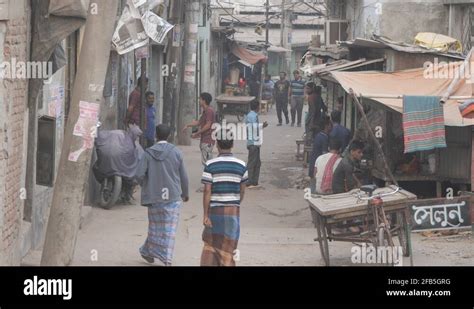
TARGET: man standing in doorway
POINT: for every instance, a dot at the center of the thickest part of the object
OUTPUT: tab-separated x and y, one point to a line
150	119
205	127
134	111
224	181
297	97
254	141
282	90
164	183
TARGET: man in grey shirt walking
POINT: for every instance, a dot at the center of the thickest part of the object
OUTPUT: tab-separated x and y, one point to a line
165	185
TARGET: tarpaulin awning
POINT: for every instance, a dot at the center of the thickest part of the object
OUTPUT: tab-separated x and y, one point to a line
248	55
437	41
387	88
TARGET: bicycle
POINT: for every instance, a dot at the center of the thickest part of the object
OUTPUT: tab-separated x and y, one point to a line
381	233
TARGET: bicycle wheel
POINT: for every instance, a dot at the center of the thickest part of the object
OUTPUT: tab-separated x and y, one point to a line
402	233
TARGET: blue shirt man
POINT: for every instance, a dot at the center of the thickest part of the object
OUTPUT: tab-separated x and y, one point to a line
150	119
254	141
320	145
339	132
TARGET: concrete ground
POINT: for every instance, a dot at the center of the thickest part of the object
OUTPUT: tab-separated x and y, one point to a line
276	227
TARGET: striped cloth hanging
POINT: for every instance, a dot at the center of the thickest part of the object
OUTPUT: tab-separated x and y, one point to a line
423	123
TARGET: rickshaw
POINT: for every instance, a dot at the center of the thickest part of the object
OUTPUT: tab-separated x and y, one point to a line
381	220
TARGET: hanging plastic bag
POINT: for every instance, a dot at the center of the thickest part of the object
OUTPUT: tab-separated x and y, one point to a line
69	8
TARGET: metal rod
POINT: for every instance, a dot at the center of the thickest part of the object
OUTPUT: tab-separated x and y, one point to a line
387	96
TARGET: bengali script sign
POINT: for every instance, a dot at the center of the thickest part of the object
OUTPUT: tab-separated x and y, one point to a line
441	213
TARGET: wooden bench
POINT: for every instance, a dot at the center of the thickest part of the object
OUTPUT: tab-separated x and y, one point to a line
306	154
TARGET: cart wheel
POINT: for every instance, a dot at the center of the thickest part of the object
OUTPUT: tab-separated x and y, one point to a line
314	217
403	233
323	240
382	237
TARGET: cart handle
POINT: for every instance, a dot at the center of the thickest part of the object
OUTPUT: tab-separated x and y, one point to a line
379	195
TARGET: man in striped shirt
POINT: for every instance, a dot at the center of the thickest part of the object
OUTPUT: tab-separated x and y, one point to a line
224	181
297	97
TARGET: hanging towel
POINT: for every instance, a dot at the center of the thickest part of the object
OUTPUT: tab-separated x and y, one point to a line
423	123
467	109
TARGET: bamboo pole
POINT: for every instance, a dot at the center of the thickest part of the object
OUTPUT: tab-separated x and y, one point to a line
372	135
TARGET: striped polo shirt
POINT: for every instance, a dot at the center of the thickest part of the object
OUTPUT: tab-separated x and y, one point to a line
297	87
225	173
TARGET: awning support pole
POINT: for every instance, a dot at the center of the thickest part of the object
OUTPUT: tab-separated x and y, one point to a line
372	135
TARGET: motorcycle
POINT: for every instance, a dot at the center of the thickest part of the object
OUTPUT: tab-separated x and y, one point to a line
118	156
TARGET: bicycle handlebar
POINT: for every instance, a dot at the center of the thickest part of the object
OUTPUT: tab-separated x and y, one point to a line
368	198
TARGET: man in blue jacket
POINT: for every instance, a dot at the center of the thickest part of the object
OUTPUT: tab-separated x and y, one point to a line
164	183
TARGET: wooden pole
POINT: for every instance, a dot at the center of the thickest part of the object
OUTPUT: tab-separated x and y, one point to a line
143	85
172	83
188	97
264	69
69	189
372	135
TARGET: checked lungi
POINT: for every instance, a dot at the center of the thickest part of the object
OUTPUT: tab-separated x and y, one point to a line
220	240
162	225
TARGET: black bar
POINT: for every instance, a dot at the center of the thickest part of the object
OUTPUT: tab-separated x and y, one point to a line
241	285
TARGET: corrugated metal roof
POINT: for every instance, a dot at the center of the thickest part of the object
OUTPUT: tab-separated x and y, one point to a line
384	42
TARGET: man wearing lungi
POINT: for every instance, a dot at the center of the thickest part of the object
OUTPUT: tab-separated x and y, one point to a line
164	183
224	180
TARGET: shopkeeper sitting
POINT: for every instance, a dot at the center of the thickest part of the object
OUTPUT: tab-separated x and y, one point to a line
344	178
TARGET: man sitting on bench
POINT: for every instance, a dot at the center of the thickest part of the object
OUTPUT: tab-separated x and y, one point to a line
344	178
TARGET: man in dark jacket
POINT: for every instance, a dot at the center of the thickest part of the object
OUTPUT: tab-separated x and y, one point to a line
164	183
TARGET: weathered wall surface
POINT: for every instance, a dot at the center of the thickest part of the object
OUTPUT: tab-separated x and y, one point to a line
14	39
396	19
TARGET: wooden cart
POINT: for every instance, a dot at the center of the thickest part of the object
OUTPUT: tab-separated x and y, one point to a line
330	211
233	105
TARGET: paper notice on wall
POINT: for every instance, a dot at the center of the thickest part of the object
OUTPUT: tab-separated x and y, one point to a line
129	34
85	127
193	28
74	156
56	101
155	26
190	74
88	118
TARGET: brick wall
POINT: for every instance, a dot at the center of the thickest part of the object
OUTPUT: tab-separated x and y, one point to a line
13	102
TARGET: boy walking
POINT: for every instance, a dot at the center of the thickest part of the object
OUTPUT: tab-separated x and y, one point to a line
224	181
254	141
